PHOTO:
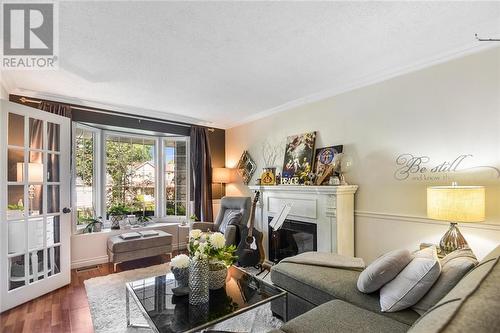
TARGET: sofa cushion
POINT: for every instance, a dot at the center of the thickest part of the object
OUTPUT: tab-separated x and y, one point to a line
471	306
382	270
453	268
318	285
412	283
339	316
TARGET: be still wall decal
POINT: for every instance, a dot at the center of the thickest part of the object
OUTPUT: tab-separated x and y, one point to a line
422	168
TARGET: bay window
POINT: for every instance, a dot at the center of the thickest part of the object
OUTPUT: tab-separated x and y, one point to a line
146	174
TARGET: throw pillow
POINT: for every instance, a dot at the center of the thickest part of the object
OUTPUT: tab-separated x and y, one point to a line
454	266
231	216
382	270
412	283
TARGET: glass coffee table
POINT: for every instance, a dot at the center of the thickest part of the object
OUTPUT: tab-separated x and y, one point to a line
167	313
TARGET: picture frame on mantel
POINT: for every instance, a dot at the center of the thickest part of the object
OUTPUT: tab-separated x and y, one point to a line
298	157
324	159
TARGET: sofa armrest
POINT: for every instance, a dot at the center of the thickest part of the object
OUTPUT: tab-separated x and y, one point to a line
204	226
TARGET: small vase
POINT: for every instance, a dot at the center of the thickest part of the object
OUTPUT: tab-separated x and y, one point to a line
115	221
198	282
181	275
97	227
217	278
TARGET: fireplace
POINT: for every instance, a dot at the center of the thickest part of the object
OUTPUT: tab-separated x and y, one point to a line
292	238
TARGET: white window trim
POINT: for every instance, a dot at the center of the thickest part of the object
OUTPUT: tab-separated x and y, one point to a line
99	178
96	175
173	218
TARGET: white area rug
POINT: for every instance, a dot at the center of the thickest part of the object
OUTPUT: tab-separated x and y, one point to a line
106	297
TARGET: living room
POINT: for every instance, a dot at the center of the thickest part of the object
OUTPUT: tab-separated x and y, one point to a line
250	166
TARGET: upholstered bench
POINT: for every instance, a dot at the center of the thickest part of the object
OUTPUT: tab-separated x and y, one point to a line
120	249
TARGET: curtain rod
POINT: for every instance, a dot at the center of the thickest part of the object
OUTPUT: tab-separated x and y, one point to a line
28	100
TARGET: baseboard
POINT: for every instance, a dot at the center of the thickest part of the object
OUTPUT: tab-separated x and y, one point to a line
89	262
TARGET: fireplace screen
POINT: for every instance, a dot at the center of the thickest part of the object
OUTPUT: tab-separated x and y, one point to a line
292	238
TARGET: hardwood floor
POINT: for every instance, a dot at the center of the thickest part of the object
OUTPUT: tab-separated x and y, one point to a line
65	309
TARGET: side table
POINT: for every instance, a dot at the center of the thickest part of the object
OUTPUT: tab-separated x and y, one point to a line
182	230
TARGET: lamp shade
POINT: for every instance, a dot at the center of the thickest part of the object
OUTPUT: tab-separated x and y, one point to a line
221	175
35	172
456	203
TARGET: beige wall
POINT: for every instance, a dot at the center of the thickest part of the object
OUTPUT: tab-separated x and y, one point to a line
442	112
3	93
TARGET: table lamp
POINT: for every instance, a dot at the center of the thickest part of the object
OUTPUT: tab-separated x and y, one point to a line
35	175
221	176
455	204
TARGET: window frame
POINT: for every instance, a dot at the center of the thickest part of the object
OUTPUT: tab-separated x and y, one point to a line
96	174
176	218
99	176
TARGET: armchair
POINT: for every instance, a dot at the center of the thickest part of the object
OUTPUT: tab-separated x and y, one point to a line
231	231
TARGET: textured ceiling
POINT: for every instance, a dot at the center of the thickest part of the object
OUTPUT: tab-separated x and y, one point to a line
224	63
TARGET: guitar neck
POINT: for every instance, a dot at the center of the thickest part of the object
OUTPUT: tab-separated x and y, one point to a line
252	215
252	221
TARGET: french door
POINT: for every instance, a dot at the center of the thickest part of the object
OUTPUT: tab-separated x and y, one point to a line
35	223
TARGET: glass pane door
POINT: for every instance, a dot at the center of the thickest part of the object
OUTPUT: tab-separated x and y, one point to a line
37	187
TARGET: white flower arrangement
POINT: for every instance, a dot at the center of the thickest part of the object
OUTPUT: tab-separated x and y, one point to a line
195	233
180	261
211	246
217	240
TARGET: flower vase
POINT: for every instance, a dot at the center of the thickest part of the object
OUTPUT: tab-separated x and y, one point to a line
217	277
115	221
181	276
198	281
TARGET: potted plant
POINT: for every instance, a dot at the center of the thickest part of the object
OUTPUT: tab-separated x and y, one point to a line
220	258
117	213
198	268
15	210
180	269
213	248
93	224
143	219
192	219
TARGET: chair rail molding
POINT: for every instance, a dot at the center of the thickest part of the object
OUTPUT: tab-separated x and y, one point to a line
331	208
420	219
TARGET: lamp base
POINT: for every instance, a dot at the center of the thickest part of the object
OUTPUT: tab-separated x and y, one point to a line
452	240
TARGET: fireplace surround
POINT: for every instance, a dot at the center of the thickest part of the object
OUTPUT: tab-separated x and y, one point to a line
329	208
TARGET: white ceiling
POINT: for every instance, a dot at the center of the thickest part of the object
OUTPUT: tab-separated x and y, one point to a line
225	63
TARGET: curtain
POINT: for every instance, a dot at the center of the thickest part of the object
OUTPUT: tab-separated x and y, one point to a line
201	174
53	135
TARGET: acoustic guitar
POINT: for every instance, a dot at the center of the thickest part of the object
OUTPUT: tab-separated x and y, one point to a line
250	251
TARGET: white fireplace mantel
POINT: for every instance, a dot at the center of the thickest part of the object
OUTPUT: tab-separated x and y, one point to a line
331	208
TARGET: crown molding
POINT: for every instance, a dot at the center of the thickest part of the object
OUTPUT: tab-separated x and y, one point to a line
388	74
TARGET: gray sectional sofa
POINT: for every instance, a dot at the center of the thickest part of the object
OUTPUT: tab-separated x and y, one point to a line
325	299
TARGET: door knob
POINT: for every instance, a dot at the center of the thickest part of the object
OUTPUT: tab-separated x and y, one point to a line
66	210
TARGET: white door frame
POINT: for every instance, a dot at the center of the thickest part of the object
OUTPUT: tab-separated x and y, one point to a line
12	298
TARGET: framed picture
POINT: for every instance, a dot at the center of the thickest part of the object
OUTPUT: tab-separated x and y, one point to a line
299	155
323	163
246	167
